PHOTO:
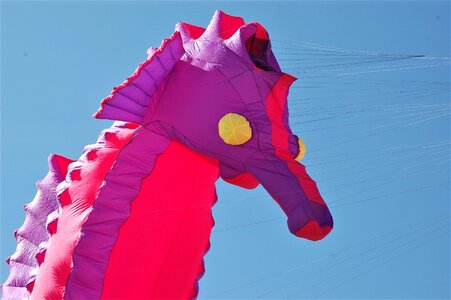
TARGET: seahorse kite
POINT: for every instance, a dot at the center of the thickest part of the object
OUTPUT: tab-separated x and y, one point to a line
131	218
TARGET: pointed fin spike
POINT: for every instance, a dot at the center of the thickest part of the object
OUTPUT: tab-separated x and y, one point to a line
223	25
214	27
189	31
52	227
64	198
75	175
92	154
59	164
40	256
30	286
229	24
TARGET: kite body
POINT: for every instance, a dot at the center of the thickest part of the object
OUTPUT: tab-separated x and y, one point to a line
131	218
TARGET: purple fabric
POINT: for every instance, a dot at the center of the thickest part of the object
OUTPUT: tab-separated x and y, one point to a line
130	100
33	237
216	76
178	94
110	210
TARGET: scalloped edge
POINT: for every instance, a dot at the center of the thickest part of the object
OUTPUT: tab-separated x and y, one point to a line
139	69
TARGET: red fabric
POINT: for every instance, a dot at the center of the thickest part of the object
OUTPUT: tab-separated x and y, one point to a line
194	31
134	76
244	180
159	251
62	164
275	107
229	25
313	231
307	183
261	32
279	135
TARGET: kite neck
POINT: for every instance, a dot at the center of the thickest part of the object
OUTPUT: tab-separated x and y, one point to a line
173	211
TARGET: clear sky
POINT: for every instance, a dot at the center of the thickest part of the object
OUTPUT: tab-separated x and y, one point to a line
375	121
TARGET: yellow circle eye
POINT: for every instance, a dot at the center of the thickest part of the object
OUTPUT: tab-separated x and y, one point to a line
302	149
234	129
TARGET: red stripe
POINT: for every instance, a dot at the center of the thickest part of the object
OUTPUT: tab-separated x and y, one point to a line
275	106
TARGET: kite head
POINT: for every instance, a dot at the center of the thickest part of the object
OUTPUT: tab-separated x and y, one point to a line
220	92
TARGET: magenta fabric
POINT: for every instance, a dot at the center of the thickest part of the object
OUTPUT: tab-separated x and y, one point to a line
177	95
110	210
230	67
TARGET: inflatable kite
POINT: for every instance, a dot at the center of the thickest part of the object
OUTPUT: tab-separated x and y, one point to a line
131	218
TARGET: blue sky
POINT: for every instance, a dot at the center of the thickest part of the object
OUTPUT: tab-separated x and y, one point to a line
375	121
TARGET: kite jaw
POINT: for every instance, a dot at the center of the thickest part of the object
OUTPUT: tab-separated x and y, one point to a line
310	218
310	230
296	193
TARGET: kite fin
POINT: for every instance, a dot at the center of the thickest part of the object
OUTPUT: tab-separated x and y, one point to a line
34	235
131	100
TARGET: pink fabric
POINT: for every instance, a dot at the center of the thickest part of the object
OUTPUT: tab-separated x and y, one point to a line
105	236
159	249
77	192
